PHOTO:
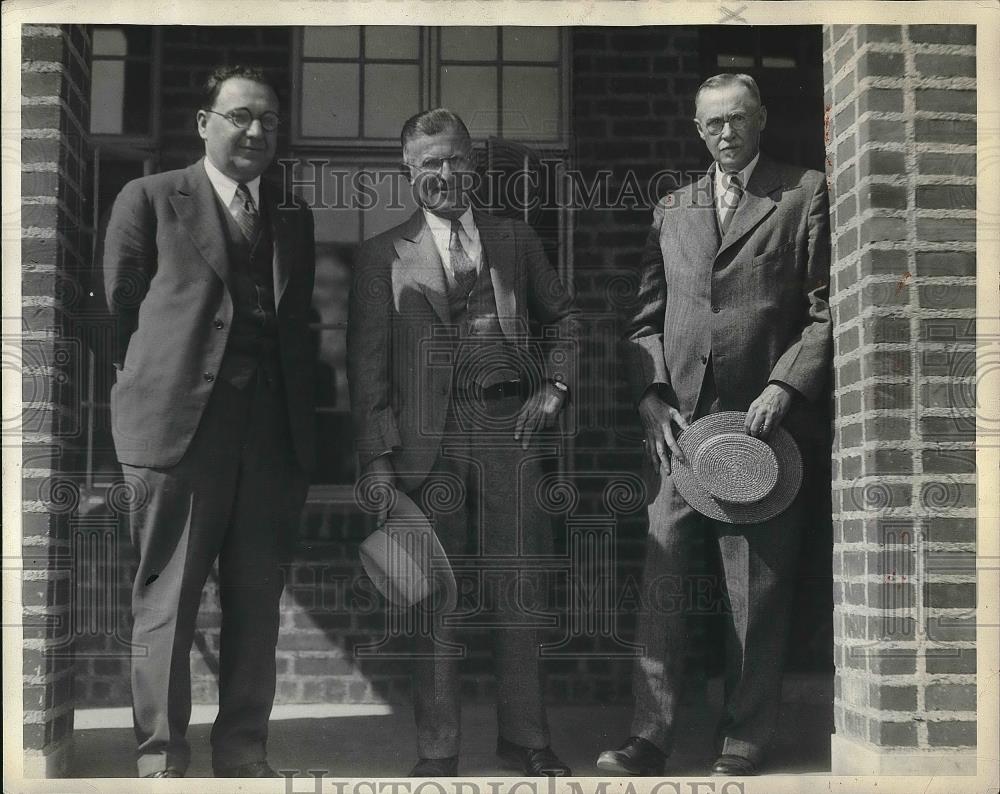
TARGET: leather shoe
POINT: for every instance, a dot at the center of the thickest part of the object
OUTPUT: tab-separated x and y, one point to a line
540	762
734	766
436	767
637	756
168	772
251	769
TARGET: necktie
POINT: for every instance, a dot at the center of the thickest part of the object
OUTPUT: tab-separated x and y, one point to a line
461	266
730	200
246	213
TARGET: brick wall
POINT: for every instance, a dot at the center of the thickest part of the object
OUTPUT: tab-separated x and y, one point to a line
901	144
55	249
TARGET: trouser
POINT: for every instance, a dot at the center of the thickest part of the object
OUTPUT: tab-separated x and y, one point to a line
758	562
481	497
235	496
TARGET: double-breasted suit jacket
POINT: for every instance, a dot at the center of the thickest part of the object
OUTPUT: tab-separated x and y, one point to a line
168	281
398	364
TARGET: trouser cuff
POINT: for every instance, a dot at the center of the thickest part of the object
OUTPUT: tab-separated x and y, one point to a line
743	749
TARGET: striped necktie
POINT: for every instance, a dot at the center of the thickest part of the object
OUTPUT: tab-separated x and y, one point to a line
246	213
462	267
730	200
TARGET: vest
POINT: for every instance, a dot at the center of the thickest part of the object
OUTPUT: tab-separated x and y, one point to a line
253	337
484	357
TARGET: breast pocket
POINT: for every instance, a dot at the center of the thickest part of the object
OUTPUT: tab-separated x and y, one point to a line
774	255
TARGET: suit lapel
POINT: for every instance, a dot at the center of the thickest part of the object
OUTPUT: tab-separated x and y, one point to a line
700	220
498	248
197	207
418	264
757	203
282	242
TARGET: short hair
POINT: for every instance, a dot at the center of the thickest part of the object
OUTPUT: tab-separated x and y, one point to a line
219	75
727	79
433	122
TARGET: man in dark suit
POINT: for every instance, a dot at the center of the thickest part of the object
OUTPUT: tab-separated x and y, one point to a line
209	275
448	390
732	314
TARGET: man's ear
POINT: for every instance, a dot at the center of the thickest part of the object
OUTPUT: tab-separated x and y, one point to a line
697	126
201	118
763	117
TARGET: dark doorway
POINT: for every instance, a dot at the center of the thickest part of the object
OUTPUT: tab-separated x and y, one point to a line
787	63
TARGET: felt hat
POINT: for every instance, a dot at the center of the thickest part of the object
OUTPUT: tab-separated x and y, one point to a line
405	559
734	477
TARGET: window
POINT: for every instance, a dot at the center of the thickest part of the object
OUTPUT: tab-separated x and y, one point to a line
123	90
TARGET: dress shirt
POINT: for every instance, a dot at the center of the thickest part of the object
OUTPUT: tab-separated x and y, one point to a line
469	237
225	187
721	184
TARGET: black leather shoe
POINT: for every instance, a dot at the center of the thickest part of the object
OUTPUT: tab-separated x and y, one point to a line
637	756
436	767
252	769
168	772
540	762
734	766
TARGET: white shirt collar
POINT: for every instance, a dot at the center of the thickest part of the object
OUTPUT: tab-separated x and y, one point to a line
440	225
720	183
440	229
225	186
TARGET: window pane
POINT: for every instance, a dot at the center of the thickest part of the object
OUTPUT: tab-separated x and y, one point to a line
530	102
471	91
331	42
138	95
107	94
468	43
392	41
109	41
530	44
392	95
330	100
727	61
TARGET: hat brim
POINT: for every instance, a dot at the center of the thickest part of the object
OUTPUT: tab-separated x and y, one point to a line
789	478
405	559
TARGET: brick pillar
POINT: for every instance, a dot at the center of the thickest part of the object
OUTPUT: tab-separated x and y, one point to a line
55	247
901	134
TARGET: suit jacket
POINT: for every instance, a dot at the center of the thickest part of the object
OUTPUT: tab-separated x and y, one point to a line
398	341
167	280
756	300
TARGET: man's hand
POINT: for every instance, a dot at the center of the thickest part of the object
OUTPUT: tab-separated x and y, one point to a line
378	484
657	415
767	411
538	413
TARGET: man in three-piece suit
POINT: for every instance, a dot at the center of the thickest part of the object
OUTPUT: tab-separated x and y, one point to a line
447	393
731	315
209	276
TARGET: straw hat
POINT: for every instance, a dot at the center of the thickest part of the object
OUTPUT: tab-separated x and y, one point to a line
731	476
405	559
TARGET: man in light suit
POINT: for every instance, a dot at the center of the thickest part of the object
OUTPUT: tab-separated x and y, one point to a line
448	394
732	314
209	275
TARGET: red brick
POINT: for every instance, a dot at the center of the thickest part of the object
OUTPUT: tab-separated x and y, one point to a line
950	595
880	100
882	33
934	65
882	196
940	163
946	263
889	395
887	428
951	530
876	230
949	461
945	131
951	734
943	34
948	100
893	734
882	161
951	660
893	698
947	296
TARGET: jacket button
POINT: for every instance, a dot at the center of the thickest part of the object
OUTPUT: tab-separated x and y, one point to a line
218	323
209	377
716	309
704	359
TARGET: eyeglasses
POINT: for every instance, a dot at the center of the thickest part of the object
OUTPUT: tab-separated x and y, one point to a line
458	162
243	118
737	122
